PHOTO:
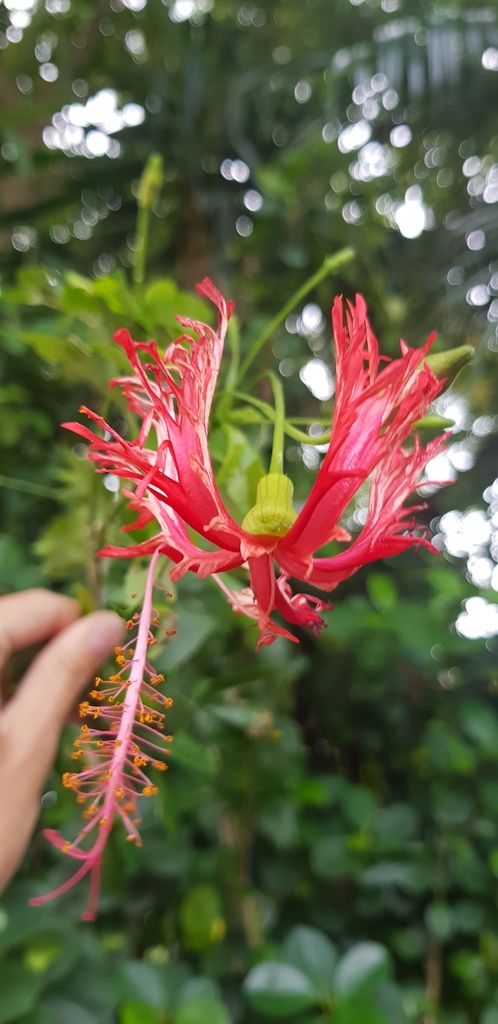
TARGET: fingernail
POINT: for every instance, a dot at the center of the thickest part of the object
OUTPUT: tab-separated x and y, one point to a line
106	629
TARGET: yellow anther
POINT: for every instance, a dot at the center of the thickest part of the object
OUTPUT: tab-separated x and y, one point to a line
150	790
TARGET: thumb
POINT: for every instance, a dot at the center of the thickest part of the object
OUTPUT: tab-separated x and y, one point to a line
53	682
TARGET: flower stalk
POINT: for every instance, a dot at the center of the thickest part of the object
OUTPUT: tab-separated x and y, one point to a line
331	265
128	740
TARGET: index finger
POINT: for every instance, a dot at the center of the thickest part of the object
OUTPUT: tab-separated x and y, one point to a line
31	617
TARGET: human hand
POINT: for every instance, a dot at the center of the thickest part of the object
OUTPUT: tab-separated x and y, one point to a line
31	721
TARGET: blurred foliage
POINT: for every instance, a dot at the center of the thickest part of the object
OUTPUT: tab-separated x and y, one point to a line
325	844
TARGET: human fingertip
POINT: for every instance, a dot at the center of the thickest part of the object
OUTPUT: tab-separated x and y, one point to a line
105	630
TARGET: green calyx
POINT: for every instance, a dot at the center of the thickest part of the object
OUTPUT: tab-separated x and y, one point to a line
273	513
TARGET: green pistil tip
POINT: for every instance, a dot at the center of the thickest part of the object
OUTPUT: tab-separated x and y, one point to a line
273	514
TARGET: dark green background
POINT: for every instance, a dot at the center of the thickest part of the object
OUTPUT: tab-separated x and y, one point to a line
325	844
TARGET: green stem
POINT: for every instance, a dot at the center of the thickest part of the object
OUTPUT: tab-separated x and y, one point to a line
27	487
330	265
143	224
288	428
277	452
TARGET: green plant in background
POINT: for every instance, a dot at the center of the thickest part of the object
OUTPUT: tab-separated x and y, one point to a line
345	787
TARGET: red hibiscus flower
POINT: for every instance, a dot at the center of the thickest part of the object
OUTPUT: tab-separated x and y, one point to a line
174	484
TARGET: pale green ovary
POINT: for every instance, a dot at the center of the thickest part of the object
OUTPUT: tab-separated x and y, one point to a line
273	513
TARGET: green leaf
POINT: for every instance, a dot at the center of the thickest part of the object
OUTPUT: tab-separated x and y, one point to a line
61	1011
479	722
468	916
358	1010
438	919
51	954
22	920
279	989
359	806
192	631
410	876
313	954
140	1013
330	858
393	825
163	302
117	295
362	968
195	988
141	982
246	717
19	990
490	1016
493	862
202	1010
382	591
388	998
188	752
278	822
201	918
61	546
48	347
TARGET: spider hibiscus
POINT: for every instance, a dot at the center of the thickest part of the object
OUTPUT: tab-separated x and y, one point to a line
169	465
